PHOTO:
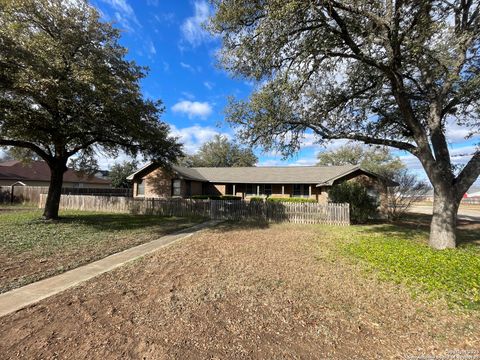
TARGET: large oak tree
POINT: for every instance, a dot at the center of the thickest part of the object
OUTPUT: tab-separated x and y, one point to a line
67	90
391	72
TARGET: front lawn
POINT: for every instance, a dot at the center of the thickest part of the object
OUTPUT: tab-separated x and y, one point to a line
32	249
243	291
399	253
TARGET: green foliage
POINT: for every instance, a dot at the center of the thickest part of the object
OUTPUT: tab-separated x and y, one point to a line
231	197
119	172
220	152
291	200
369	71
67	89
453	274
257	199
362	205
21	154
85	162
376	159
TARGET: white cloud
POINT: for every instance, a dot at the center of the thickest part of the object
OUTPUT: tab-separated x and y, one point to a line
193	108
124	13
192	29
195	136
121	5
151	48
187	66
208	85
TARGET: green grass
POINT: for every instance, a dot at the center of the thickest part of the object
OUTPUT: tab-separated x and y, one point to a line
50	247
400	254
24	230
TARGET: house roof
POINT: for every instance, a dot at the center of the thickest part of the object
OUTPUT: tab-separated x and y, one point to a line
320	175
39	171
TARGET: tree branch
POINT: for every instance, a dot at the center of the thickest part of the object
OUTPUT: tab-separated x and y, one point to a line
27	145
468	175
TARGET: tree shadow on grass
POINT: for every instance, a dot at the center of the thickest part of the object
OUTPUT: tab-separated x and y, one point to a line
412	225
227	226
117	222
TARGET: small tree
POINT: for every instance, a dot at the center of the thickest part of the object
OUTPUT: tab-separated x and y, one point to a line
220	152
362	206
408	191
66	90
119	172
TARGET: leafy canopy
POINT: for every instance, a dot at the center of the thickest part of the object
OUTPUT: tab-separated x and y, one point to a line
220	152
119	172
386	72
66	88
376	159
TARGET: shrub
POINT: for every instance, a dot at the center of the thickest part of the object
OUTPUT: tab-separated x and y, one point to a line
257	198
362	205
205	197
231	197
215	197
292	200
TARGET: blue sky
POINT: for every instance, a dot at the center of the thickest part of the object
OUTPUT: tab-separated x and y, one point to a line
167	36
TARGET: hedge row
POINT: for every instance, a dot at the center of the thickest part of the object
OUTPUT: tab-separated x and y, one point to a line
215	197
290	200
253	198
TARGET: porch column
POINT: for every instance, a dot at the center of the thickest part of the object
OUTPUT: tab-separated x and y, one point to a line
258	190
234	192
309	190
283	189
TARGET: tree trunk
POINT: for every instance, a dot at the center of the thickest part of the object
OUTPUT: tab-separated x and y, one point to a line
444	220
57	169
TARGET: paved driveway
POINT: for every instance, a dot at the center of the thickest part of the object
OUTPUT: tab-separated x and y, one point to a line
464	213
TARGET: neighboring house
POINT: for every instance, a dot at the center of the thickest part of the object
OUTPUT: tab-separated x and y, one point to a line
37	173
313	182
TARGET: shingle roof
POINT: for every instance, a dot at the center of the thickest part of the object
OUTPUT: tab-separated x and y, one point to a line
321	175
39	171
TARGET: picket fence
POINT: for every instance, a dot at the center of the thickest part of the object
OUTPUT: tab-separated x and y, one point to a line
301	213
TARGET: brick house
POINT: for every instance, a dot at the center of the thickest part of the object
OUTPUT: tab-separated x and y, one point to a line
313	182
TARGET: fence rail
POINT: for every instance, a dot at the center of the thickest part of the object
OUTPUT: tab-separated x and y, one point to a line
31	194
302	213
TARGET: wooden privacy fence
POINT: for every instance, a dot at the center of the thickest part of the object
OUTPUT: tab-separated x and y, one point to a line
302	213
31	194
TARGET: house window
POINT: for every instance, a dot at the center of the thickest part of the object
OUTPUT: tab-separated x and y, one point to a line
300	190
263	189
177	187
251	189
141	188
268	189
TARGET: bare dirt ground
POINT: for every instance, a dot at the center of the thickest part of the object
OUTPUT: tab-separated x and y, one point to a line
238	293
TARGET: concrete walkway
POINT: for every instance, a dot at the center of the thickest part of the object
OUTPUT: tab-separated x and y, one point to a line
17	299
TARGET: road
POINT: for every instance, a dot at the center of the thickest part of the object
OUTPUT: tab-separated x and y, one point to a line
464	213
